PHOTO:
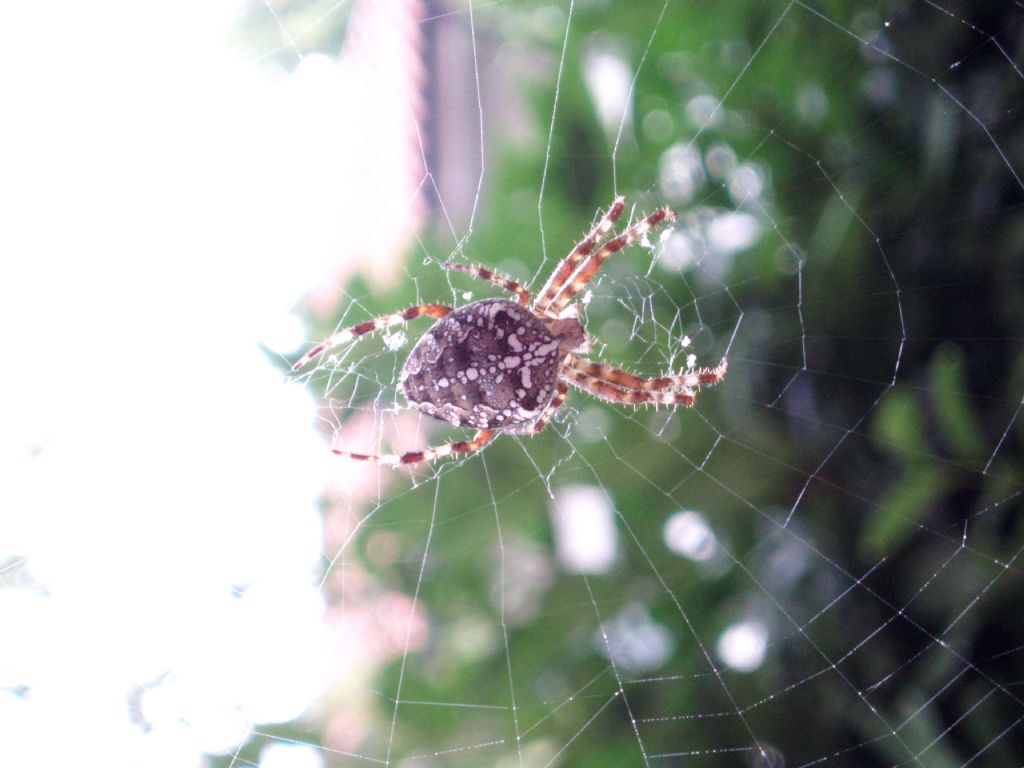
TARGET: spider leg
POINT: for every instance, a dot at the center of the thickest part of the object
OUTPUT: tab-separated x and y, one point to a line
480	439
606	391
485	274
593	263
564	270
554	405
348	334
689	380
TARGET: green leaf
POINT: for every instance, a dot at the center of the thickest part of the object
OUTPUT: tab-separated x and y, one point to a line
957	420
901	510
898	427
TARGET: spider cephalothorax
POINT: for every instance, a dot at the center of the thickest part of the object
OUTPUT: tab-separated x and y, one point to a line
500	365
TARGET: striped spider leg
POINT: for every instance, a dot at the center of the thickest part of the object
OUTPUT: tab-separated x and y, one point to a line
592	263
564	270
560	397
465	447
483	273
354	332
618	386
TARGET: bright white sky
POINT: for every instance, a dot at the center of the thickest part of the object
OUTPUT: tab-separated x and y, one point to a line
156	227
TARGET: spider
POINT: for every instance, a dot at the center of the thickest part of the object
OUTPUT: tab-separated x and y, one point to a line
505	366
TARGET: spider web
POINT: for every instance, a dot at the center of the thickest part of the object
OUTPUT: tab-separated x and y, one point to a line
817	564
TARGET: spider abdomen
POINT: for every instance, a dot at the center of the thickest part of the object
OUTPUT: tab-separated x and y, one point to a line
491	364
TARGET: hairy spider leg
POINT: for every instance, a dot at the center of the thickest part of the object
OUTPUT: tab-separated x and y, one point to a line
554	405
607	391
485	274
480	439
569	264
348	334
593	263
701	377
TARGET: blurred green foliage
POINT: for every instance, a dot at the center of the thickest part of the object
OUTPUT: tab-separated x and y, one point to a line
850	477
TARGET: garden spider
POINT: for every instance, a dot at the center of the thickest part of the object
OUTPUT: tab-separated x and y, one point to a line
505	366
